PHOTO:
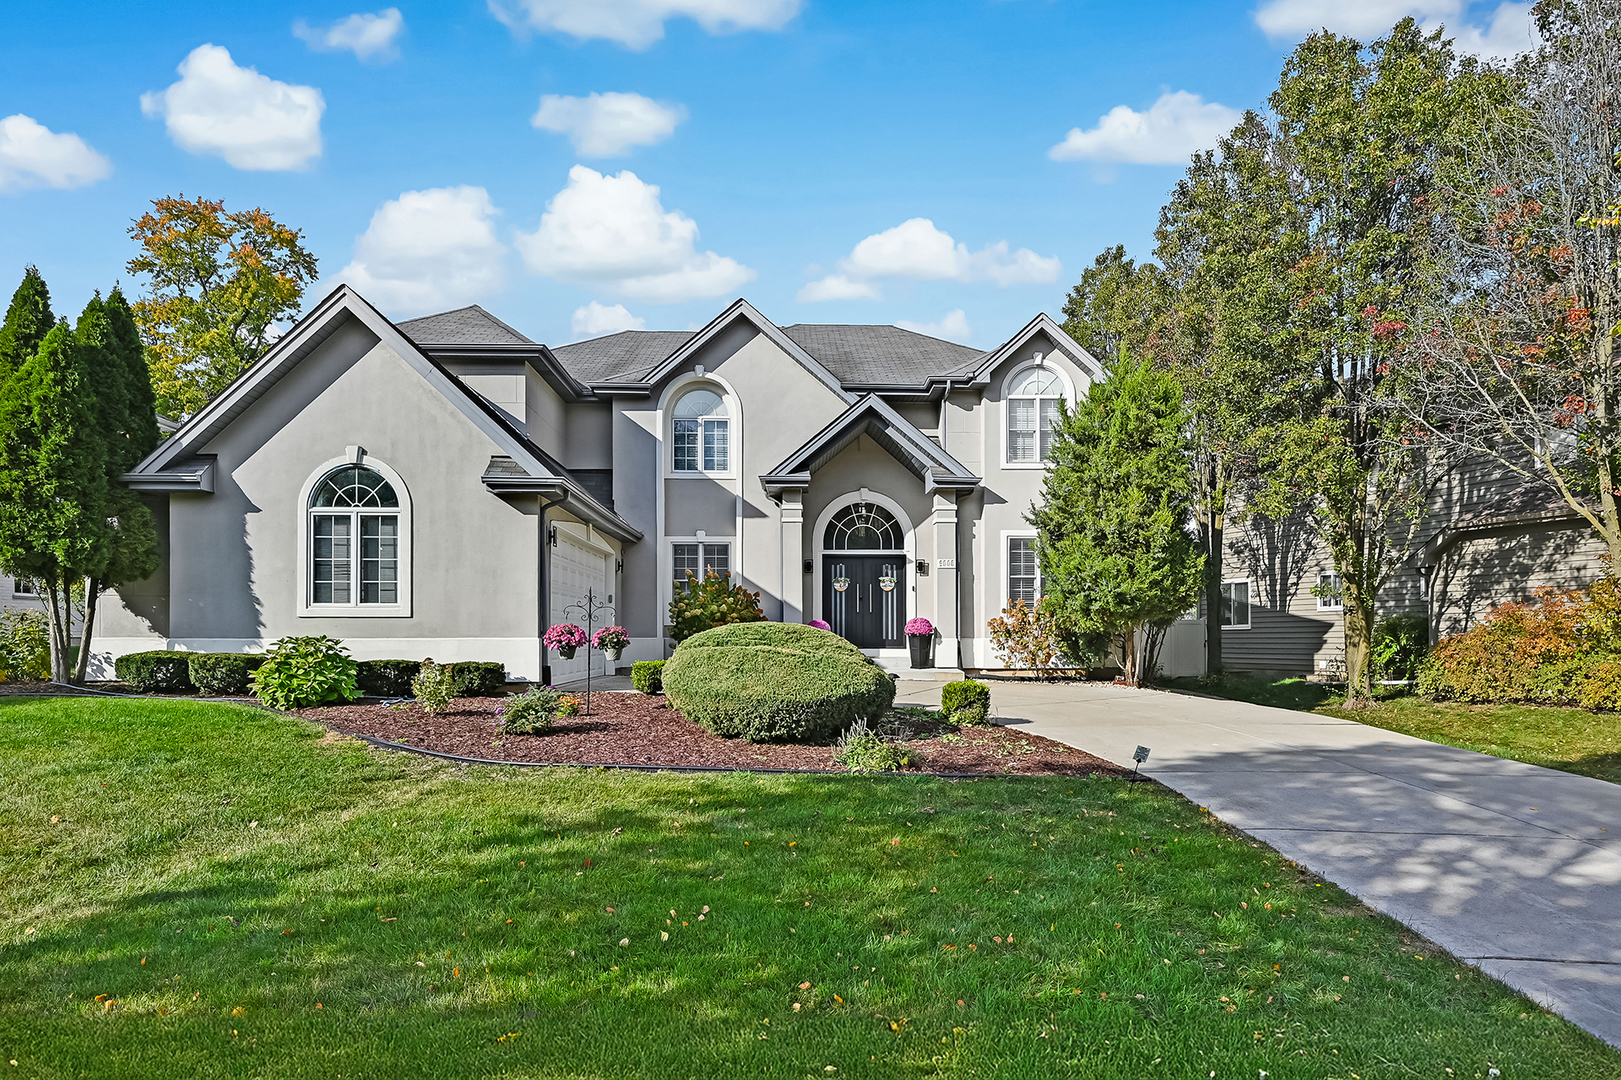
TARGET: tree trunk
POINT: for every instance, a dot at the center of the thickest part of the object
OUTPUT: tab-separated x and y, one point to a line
1128	655
1212	590
1358	641
92	592
59	617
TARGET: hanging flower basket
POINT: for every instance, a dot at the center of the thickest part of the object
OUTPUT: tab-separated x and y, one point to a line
564	638
840	584
886	583
612	641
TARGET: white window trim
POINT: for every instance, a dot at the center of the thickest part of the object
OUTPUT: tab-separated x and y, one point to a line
734	428
18	594
1325	604
1067	393
1249	608
307	609
1008	536
727	542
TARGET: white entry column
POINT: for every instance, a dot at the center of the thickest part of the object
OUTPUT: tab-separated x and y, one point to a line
944	524
792	586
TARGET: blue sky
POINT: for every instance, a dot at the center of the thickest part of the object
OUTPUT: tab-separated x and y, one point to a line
832	161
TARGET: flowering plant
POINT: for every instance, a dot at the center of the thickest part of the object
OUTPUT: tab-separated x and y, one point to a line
610	637
563	636
819	624
919	627
569	705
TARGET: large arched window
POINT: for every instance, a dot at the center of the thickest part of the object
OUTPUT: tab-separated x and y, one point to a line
701	433
1032	410
863	527
354	530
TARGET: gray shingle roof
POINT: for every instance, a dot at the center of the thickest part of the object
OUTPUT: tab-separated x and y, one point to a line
880	355
622	357
470	325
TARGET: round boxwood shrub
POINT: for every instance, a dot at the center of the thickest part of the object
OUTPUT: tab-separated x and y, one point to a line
648	676
775	682
966	701
221	673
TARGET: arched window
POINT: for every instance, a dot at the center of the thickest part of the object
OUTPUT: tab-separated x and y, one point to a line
1032	410
701	434
354	529
863	527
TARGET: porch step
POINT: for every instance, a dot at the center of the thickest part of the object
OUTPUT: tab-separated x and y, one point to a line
903	670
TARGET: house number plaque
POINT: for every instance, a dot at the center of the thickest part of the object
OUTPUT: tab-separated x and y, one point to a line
945	564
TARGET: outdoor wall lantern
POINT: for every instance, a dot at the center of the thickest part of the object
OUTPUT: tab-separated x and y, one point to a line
810	566
922	567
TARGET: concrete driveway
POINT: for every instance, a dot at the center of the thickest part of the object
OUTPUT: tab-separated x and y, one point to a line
1511	867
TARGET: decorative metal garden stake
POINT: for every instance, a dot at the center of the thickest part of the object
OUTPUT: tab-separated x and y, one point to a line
590	609
1138	756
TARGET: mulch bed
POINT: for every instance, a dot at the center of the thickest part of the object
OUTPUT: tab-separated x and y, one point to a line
636	729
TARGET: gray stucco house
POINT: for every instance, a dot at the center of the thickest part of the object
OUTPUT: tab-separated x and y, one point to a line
446	487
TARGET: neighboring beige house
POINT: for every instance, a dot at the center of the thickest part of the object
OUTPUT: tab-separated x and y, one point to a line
446	487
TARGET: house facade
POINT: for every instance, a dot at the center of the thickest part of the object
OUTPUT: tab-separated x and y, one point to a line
447	488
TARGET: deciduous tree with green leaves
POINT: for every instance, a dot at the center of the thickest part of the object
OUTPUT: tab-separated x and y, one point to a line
218	284
1117	556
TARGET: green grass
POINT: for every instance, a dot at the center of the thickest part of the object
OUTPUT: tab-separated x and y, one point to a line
218	871
1572	740
1278	693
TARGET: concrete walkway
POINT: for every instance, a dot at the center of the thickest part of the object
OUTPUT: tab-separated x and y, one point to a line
1511	867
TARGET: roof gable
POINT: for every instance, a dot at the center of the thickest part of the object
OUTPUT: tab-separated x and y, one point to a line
1041	324
873	416
471	325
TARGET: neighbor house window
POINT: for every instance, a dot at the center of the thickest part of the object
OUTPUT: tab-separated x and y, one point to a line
354	539
699	559
1032	411
701	434
24	587
1023	571
1329	592
1235	605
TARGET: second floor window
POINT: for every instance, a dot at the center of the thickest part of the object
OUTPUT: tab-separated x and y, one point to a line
1329	592
701	434
1032	410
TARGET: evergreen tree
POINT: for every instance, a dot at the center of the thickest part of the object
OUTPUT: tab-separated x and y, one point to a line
54	498
1117	557
28	320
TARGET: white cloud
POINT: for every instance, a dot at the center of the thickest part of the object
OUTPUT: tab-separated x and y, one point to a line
918	250
1168	133
596	319
1507	32
837	287
614	231
953	327
428	250
32	156
606	125
636	24
369	37
252	121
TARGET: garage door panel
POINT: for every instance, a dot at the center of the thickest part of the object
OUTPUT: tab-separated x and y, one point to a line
575	570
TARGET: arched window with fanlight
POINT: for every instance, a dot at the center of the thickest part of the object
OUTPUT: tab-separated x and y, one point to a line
355	540
863	527
1032	412
700	435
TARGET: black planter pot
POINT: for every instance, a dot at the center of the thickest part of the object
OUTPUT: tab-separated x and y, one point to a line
922	646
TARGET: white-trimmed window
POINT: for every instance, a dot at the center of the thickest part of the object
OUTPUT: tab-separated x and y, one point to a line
354	536
1023	570
1032	410
701	434
1235	604
24	587
1330	592
698	559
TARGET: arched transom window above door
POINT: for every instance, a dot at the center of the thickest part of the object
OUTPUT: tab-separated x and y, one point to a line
700	435
864	527
1032	411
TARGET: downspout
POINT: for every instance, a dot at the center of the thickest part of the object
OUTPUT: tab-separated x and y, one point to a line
956	538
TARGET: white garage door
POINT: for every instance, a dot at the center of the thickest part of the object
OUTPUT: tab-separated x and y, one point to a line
576	569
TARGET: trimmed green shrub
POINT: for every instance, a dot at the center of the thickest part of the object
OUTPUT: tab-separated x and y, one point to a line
302	671
434	686
775	682
156	671
25	646
714	601
648	676
386	678
531	712
479	678
221	673
966	701
861	750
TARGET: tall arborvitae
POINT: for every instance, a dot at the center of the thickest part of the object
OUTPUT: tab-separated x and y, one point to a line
28	320
140	429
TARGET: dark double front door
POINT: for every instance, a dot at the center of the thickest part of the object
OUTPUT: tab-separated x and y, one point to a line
867	614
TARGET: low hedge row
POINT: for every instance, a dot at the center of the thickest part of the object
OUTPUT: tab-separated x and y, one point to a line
165	671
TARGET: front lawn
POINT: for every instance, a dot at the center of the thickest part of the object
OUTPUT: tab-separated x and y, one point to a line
191	889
